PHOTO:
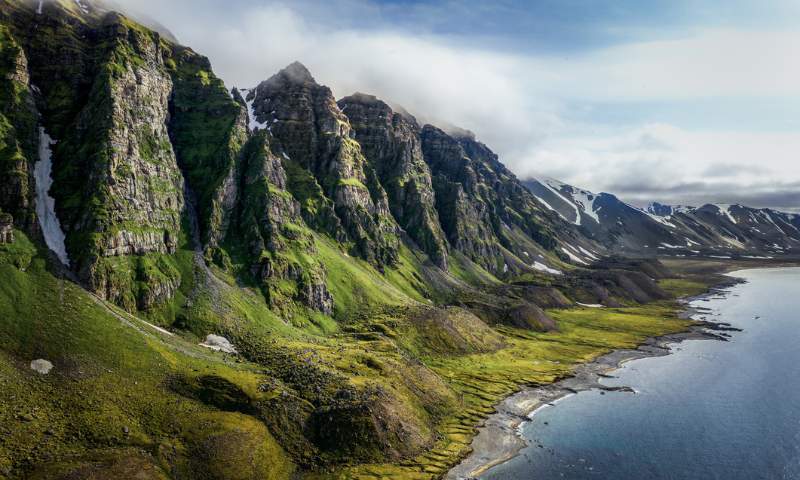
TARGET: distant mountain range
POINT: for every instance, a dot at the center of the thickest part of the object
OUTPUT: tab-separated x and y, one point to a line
710	230
204	282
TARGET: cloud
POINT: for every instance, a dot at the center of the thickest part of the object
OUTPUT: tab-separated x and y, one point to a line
523	104
665	163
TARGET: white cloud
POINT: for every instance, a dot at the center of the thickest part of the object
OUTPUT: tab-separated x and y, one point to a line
516	103
660	160
708	63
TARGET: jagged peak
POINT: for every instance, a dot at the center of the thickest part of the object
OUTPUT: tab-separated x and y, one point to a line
372	100
359	97
460	133
296	73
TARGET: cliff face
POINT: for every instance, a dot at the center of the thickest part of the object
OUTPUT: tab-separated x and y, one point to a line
17	130
6	228
315	136
486	212
208	129
278	243
142	128
391	144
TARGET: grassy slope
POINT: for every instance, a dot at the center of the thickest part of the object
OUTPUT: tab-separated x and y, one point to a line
482	380
110	374
114	371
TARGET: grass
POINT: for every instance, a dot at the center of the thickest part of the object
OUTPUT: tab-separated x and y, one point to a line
430	377
111	375
481	380
683	287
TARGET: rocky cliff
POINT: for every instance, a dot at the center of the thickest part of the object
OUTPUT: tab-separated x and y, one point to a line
308	287
392	145
314	134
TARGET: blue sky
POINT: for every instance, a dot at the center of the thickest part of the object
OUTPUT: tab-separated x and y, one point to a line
676	101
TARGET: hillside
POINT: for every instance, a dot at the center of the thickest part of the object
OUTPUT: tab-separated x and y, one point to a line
268	282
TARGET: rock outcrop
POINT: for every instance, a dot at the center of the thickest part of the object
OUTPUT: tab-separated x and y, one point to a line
280	246
17	130
484	210
391	143
6	228
326	164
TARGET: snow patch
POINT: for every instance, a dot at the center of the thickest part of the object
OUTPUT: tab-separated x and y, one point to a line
218	343
45	204
39	9
586	202
725	209
591	305
84	8
588	253
544	268
41	366
667	245
549	207
665	220
573	257
555	186
251	112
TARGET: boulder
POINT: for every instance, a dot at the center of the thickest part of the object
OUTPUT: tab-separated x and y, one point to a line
41	366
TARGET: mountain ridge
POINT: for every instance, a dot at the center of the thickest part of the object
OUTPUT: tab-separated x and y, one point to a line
270	282
711	229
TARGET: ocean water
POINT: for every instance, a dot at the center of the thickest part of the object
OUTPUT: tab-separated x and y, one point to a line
711	410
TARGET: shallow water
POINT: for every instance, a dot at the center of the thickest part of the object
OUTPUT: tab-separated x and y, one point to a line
711	410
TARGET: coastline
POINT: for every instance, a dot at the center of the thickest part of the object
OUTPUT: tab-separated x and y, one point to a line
498	439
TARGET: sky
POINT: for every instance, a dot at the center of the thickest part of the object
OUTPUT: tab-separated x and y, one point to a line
681	102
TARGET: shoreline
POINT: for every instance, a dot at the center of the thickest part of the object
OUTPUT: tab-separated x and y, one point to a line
499	439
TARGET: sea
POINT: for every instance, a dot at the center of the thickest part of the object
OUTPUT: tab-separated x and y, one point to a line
724	410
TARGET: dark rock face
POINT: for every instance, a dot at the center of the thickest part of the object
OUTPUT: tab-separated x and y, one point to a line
315	135
464	215
391	143
17	130
277	239
208	129
485	211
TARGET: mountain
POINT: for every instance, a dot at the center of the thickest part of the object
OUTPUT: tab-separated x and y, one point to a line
269	282
710	230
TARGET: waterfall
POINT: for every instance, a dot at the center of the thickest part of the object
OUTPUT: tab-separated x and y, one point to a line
45	204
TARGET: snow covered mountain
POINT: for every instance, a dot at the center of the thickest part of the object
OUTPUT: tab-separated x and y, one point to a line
712	230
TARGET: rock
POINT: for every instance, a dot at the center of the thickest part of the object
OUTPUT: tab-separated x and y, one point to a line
41	366
272	228
328	166
218	343
484	209
390	142
6	228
